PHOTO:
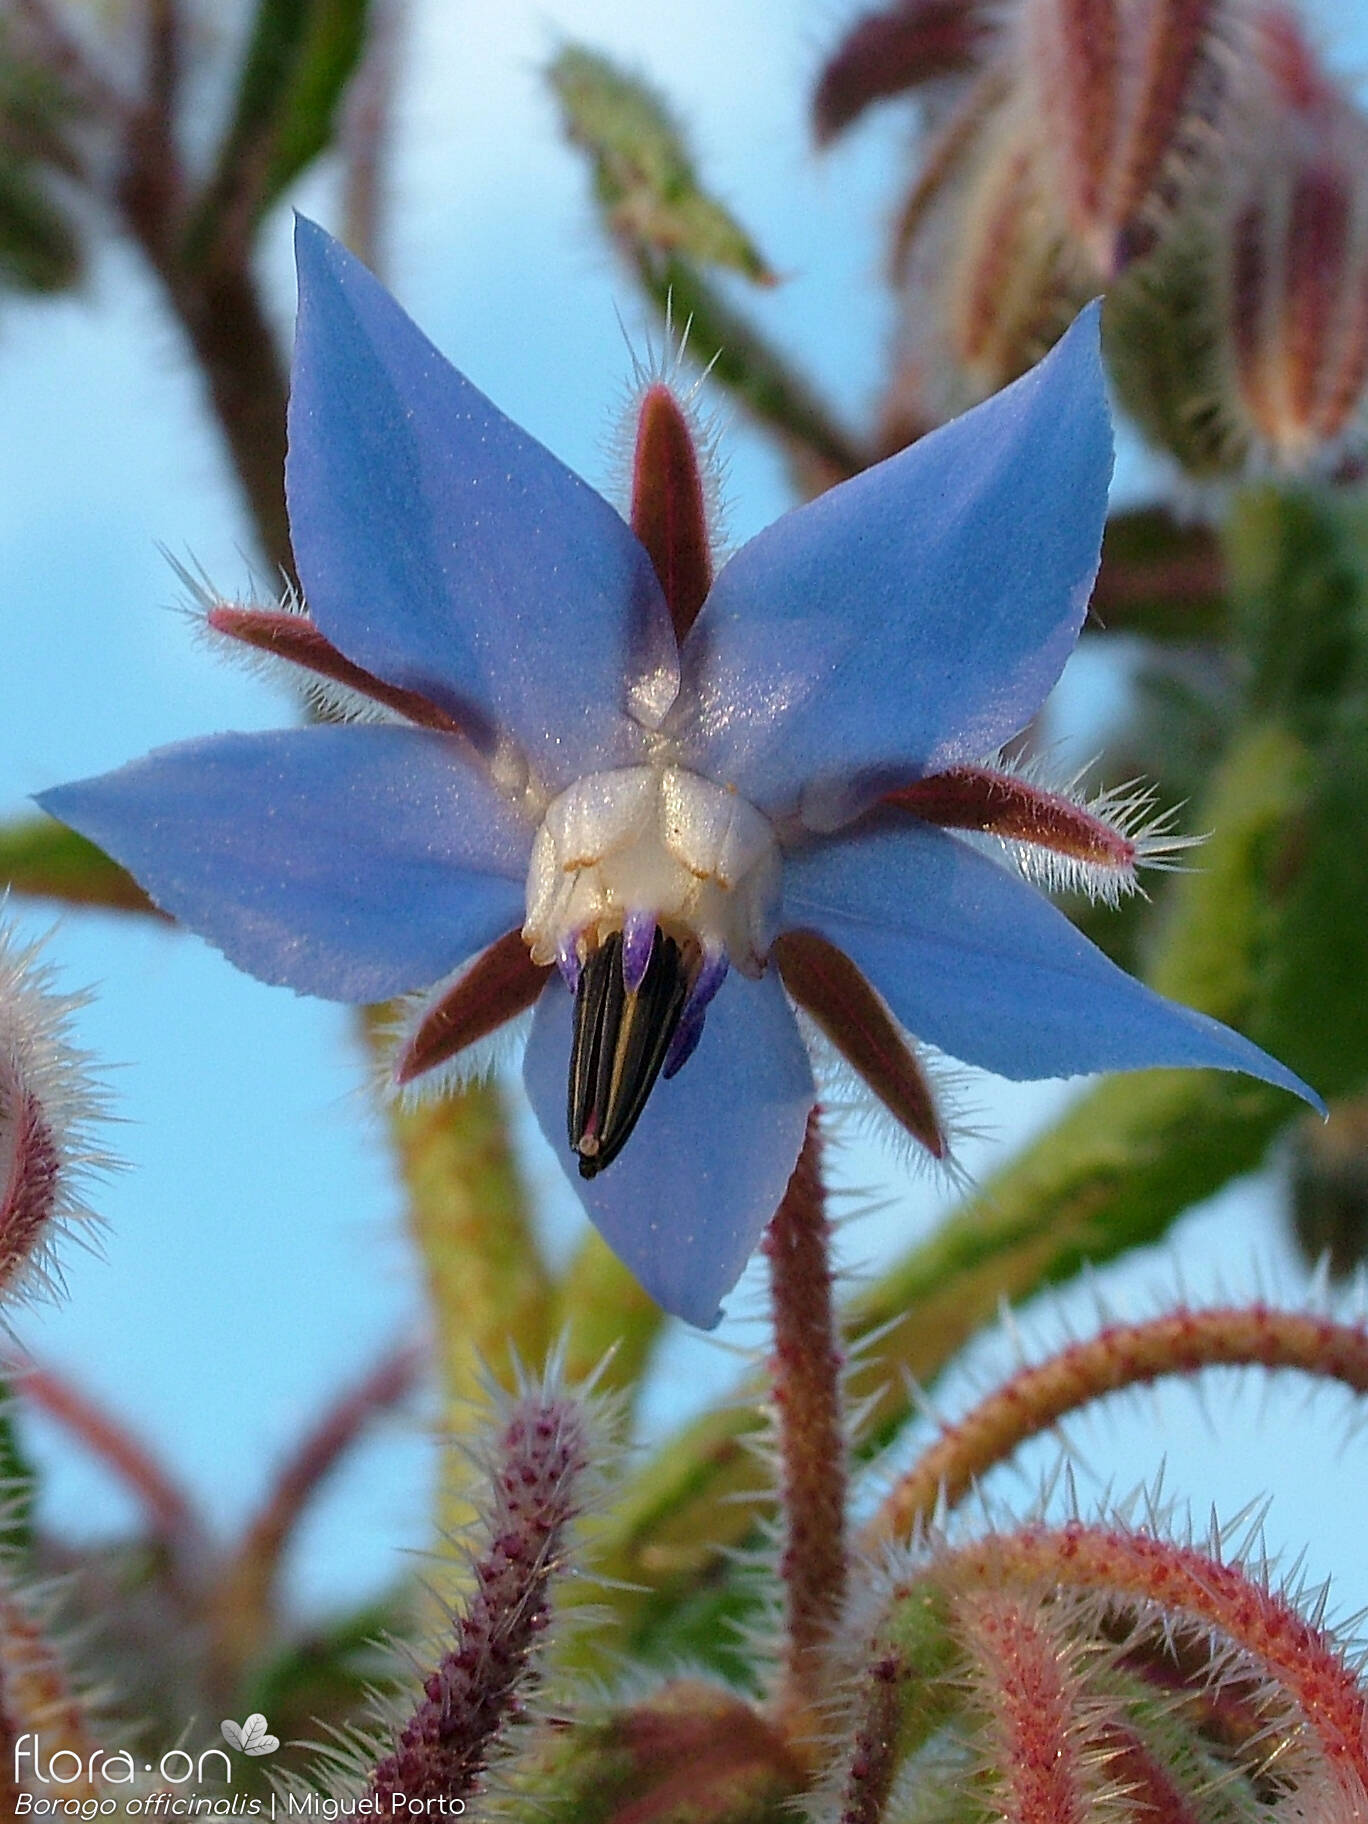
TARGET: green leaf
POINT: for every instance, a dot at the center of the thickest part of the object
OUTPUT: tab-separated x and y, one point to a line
48	861
1159	578
299	59
39	248
671	231
644	173
1299	570
18	1485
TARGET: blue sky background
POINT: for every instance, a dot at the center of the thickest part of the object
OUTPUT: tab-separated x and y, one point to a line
254	1258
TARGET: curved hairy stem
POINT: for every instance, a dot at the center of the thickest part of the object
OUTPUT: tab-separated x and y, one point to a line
1121	1355
242	1609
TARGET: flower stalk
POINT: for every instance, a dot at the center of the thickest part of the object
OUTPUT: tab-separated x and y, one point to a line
806	1365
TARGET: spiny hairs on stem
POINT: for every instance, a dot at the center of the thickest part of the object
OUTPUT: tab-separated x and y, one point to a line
1096	1670
38	1697
1037	1396
540	1463
806	1373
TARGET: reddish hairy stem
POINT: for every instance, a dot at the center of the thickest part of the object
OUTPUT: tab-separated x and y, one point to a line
388	1383
1136	1569
1153	1796
239	1613
241	1609
167	1506
477	1690
1029	1696
1122	1355
873	1758
805	1370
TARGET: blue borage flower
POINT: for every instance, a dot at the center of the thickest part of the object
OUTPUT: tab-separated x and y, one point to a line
614	782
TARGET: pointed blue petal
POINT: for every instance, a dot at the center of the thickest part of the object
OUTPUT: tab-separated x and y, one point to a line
914	616
686	1201
976	962
353	863
447	551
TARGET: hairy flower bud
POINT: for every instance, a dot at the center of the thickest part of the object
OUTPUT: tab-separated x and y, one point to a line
47	1103
887	53
1293	258
1243	343
1121	91
982	262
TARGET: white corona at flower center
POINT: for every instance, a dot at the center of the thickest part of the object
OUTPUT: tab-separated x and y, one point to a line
656	840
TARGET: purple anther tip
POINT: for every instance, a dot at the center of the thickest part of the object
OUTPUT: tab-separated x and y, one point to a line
710	978
638	941
568	962
685	1041
689	1031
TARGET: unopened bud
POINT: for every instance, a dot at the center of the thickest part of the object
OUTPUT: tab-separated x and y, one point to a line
47	1106
1293	259
1123	92
888	53
1008	294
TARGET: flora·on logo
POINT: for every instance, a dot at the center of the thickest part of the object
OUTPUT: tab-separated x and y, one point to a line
251	1737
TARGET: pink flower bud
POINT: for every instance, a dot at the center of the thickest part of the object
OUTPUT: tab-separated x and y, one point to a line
1293	257
887	53
1121	91
987	282
47	1105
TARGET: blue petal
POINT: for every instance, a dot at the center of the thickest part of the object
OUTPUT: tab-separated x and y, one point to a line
445	550
914	616
353	863
976	962
685	1203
